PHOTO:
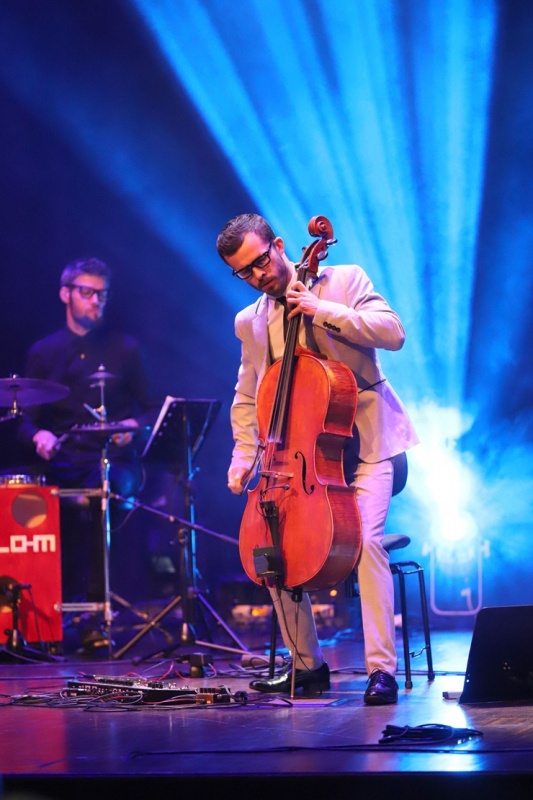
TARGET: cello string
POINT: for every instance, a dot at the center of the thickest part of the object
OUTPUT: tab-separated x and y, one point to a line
281	399
282	396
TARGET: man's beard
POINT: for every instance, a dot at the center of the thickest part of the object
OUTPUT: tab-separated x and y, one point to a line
89	323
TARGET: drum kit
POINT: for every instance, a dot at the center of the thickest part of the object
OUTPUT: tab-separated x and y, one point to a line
185	420
18	393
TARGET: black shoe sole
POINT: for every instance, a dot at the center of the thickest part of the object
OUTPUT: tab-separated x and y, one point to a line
375	700
307	685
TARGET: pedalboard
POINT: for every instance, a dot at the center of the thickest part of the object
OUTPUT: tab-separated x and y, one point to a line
148	691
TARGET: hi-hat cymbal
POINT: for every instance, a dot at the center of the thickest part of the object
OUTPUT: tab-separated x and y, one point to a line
101	373
30	391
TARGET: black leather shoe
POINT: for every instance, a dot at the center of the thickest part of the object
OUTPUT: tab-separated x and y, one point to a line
382	689
312	681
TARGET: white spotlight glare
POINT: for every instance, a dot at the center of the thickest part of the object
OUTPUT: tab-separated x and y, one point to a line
453	525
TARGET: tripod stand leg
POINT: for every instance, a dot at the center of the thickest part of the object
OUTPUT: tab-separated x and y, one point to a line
168	650
118	600
153	623
243	648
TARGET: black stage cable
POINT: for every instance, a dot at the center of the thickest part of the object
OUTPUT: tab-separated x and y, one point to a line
114	700
432	733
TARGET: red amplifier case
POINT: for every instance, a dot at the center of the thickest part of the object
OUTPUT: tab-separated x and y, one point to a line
30	553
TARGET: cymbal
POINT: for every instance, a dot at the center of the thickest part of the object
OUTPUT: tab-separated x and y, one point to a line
101	373
109	428
30	391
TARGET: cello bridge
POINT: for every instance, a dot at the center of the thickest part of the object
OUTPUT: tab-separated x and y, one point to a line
271	474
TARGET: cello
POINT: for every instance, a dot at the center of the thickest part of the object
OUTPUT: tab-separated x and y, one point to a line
301	527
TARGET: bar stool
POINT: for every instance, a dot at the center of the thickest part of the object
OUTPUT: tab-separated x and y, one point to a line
398	541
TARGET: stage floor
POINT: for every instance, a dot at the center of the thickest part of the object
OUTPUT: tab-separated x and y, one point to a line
56	743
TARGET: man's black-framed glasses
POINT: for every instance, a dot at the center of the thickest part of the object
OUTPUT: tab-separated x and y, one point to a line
260	262
88	291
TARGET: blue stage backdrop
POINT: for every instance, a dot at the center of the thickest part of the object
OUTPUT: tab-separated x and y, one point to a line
133	129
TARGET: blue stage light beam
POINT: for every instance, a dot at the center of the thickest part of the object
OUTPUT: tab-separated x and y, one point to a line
375	114
372	113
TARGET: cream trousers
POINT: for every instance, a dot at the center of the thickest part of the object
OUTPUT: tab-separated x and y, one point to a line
373	484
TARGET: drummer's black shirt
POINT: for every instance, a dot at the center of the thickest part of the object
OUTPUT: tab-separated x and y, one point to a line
69	359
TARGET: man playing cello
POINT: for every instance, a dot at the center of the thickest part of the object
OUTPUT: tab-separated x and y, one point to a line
344	319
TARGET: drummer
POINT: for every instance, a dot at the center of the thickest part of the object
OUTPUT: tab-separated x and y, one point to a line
83	348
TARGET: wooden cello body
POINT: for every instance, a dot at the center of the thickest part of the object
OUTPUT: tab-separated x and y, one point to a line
301	526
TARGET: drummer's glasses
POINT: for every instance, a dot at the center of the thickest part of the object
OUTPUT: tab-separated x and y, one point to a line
88	291
260	262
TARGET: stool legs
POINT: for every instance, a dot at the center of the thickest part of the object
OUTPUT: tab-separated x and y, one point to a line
401	569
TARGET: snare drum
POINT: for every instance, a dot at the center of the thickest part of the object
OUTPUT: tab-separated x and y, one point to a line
22	480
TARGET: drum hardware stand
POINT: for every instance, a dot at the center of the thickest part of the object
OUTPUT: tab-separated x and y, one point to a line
100	428
106	533
105	606
103	493
15	647
100	413
185	423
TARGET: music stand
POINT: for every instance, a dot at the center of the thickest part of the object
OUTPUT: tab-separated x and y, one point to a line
176	438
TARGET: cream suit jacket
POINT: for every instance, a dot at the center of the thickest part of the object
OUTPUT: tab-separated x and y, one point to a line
351	321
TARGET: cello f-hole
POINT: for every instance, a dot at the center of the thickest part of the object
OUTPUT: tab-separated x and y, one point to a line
311	489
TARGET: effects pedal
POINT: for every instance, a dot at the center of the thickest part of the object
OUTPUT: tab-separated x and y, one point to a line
146	690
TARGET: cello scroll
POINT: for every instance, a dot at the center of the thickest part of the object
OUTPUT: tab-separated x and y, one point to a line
315	252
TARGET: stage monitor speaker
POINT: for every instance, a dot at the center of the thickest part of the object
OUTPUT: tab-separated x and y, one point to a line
30	559
500	662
